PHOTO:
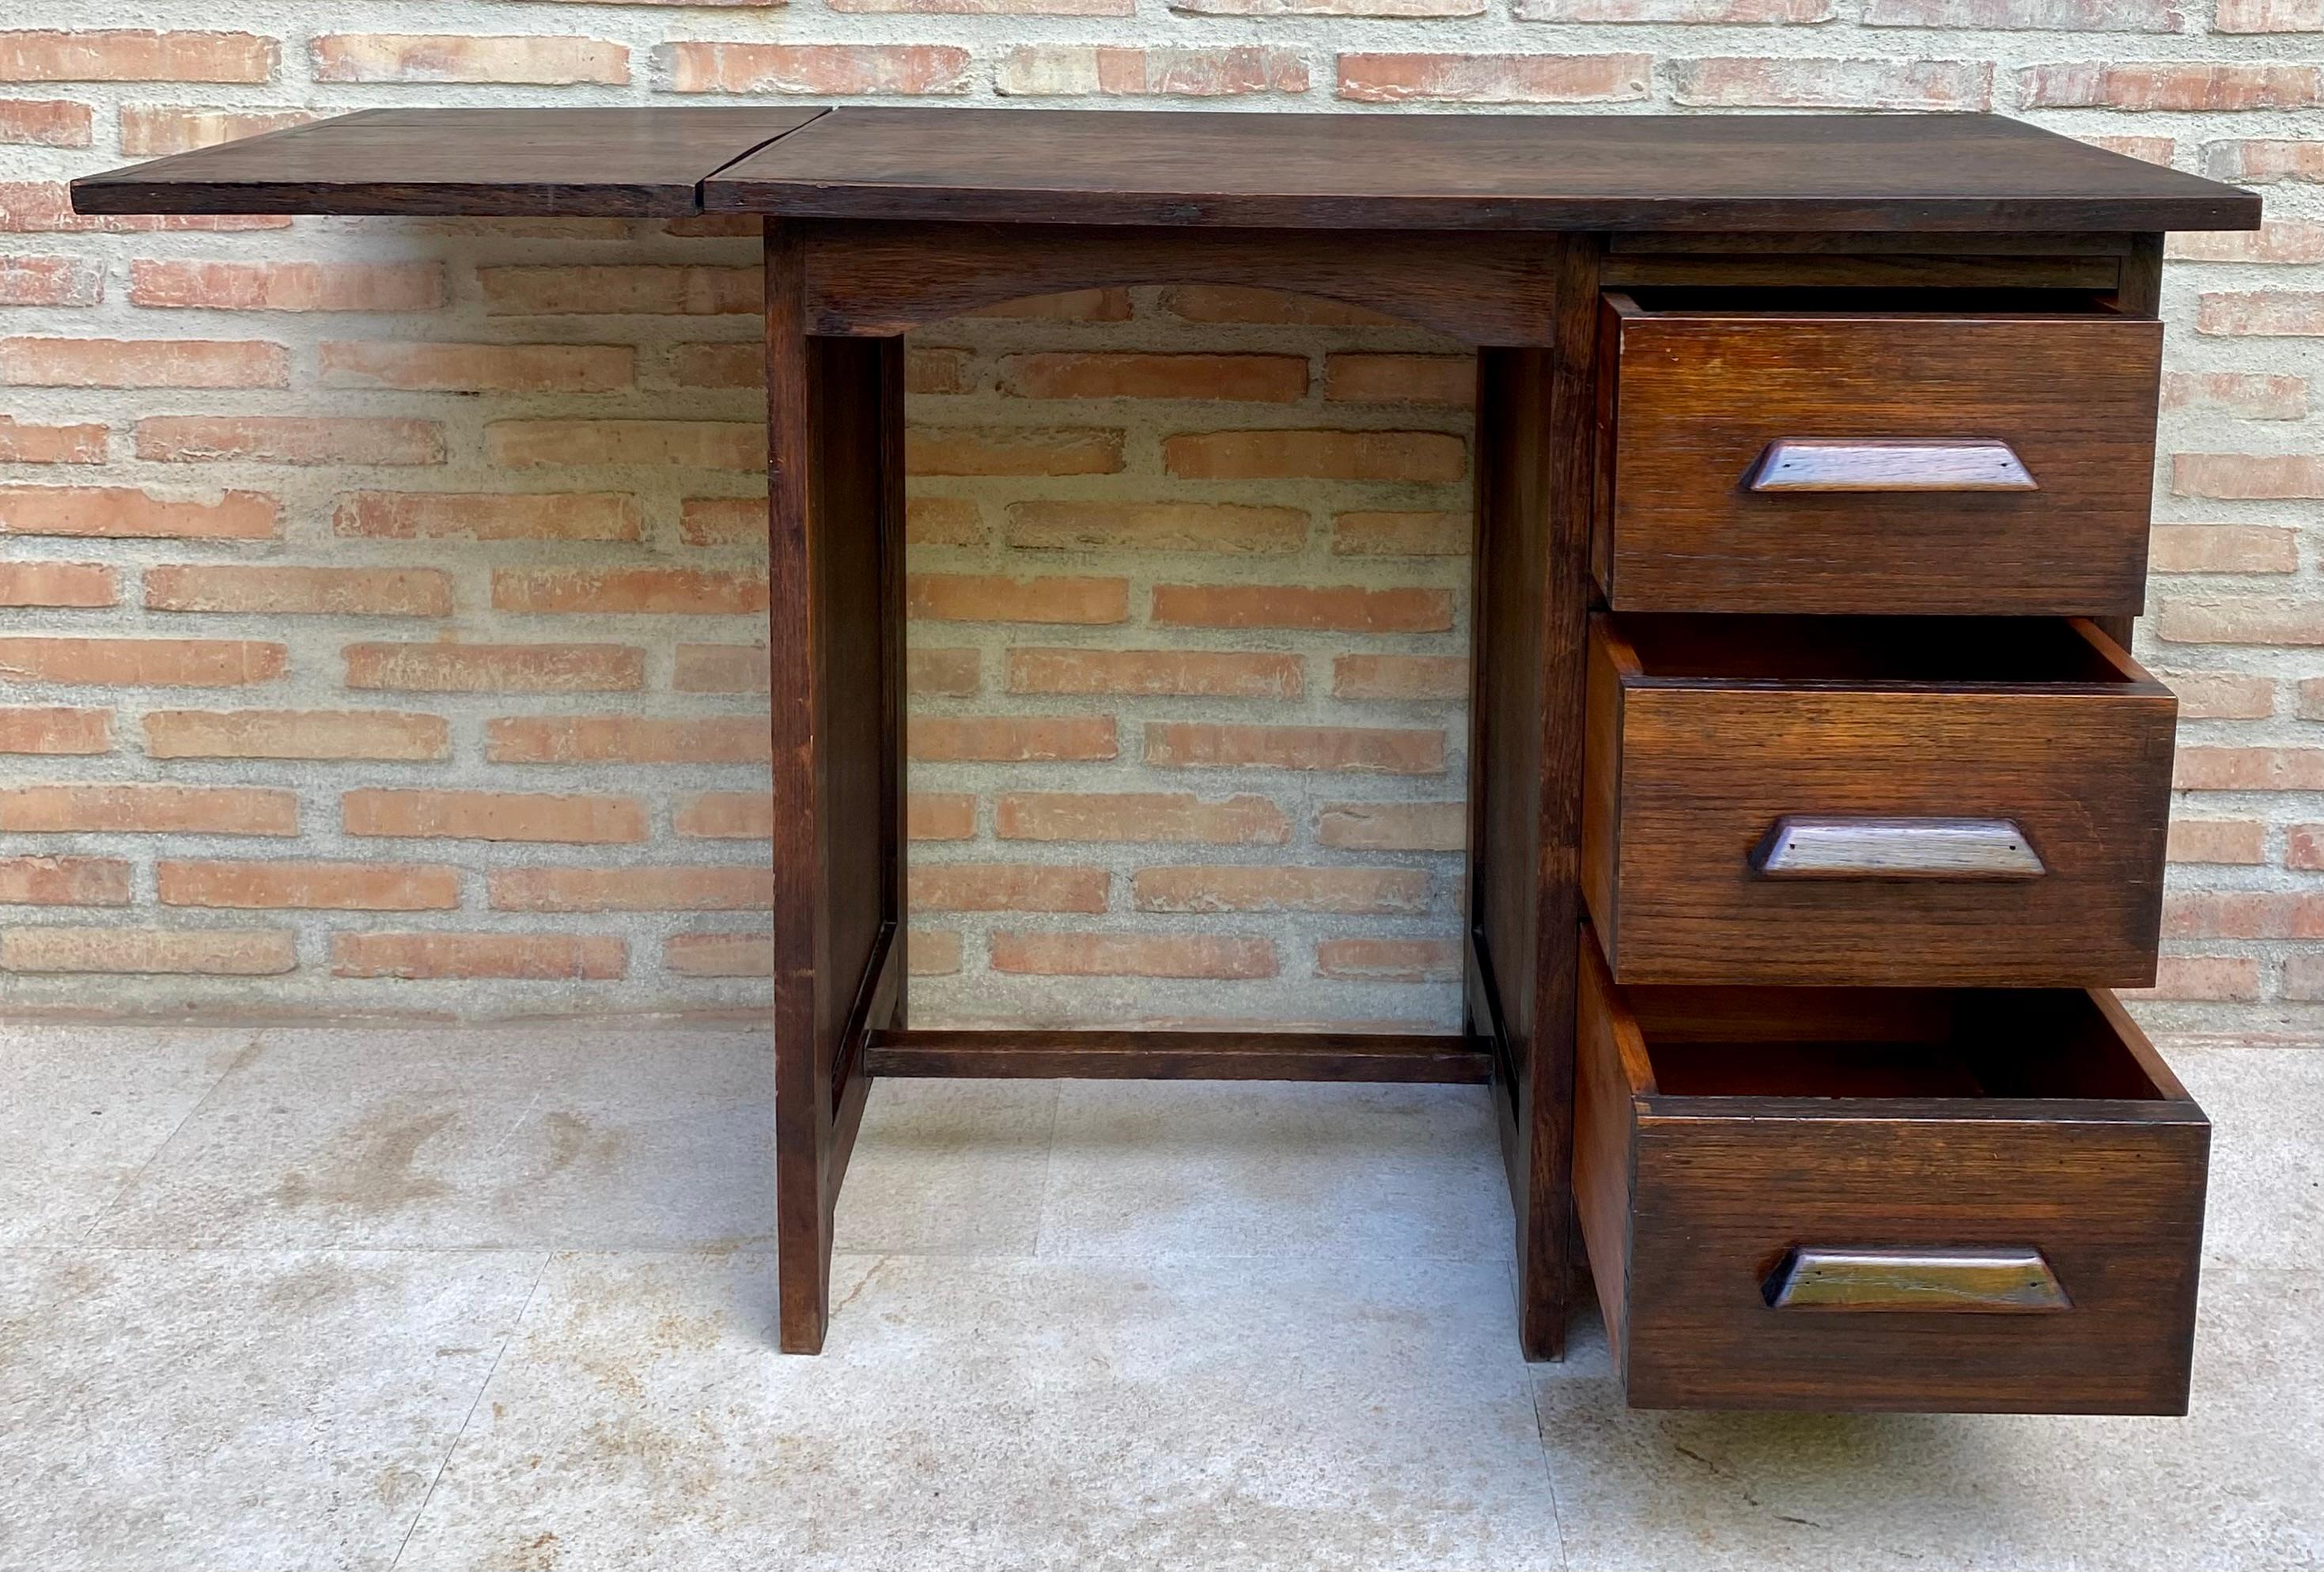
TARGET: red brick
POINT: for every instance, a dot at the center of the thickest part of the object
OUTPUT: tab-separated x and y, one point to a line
1493	78
402	57
2312	698
446	668
287	286
622	739
931	952
1240	304
50	280
1402	534
296	734
2221	695
943	673
301	591
1400	677
991	598
2264	161
1734	81
725	815
1007	887
1367	750
722	521
2248	476
1125	955
143	362
221	952
290	440
126	512
1010	451
2268	16
2278	241
986	9
55	729
941	816
1220	673
660	591
2262	313
2303	846
479	367
624	289
1448	381
1359	892
2243	914
2224	549
308	885
693	444
45	206
425	515
719	955
23	444
1369	8
1394	826
2201	978
2218	840
2248	397
1080	71
2213	769
493	816
663	888
152	130
1315	456
149	809
835	70
2245	620
720	669
1139	817
1228	529
2155	150
1343	608
68	584
143	663
1130	374
2177	85
2029	15
47	122
941	521
64	881
1389	960
131	55
447	957
993	739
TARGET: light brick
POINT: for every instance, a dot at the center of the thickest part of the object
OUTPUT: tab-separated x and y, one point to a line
1406	456
2186	86
126	512
143	663
449	668
654	591
835	70
149	809
1369	8
560	958
2249	396
692	444
420	515
143	362
725	815
1195	744
2041	15
940	816
21	443
153	130
2220	768
1011	450
1008	739
2268	16
2262	313
1389	960
1348	891
297	734
493	816
1075	70
622	739
424	592
55	729
2303	846
45	206
479	367
2283	241
986	8
316	886
1228	529
186	952
2224	549
1752	82
406	57
691	887
131	55
933	952
1216	673
2249	619
2243	914
47	122
1127	955
2201	978
1399	678
1139	817
1402	534
624	289
2264	160
722	521
287	286
61	583
1006	887
1493	78
1394	826
64	881
2238	841
2221	695
290	440
1343	608
991	598
943	673
2248	476
51	281
719	955
2303	978
720	669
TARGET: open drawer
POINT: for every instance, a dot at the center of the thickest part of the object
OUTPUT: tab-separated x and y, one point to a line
1886	1199
1929	451
1867	800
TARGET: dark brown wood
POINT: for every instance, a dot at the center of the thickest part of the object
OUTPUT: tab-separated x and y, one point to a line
1707	384
886	278
2138	294
1178	1056
1707	731
627	162
2095	275
1930	172
836	541
2012	1122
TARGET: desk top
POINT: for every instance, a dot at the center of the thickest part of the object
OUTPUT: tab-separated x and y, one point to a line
1363	171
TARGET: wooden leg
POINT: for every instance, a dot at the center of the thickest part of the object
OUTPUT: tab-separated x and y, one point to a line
835	479
1536	417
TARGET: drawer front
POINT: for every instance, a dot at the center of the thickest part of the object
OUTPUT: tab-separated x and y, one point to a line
1749	832
1876	1254
1871	464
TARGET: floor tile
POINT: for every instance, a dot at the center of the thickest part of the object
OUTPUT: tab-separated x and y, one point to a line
2266	1107
86	1108
1274	1168
948	1167
455	1140
1005	1413
262	1412
2238	1485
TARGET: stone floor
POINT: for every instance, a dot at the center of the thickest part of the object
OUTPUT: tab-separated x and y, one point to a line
503	1300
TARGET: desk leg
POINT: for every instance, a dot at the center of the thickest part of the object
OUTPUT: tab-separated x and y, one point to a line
1535	420
835	647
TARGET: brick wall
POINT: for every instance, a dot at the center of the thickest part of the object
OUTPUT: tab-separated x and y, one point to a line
381	596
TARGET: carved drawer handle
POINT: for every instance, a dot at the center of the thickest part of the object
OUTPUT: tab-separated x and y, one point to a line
2010	1282
1802	847
1817	464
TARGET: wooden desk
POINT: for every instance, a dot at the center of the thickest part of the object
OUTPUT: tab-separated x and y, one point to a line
1818	897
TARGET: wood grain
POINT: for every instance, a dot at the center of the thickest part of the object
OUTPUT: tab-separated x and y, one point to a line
1218	1056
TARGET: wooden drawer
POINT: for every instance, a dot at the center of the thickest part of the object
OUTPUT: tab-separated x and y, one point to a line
1886	1199
1937	452
1858	801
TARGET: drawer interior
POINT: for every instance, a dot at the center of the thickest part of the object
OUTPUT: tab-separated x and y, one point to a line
1974	1044
1775	300
1952	651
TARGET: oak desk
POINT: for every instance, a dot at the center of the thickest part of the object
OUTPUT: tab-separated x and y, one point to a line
1812	796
